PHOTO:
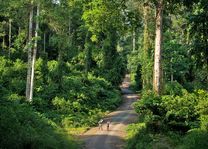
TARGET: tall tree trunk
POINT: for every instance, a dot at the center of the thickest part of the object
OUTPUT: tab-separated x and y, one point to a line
34	53
29	54
146	75
133	39
157	74
3	43
10	36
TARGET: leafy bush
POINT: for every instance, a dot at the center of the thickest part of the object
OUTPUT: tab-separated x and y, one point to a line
202	108
180	111
15	97
204	122
137	137
184	116
53	71
173	88
22	127
12	76
115	73
149	107
61	99
195	138
149	102
81	102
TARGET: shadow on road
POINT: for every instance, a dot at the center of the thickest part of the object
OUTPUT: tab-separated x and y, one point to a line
108	139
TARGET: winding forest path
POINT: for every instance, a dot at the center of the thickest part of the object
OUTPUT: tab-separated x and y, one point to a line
124	115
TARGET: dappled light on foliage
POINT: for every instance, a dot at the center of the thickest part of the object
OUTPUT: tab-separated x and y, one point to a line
62	63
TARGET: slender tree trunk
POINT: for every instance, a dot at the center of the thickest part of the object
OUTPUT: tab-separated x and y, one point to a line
145	44
146	41
10	36
133	39
171	77
157	74
146	76
29	54
34	53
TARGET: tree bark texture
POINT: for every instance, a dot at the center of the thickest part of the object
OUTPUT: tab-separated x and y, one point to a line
29	54
146	72
134	40
157	72
34	54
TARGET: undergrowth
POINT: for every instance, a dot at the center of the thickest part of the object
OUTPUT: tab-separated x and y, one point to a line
177	120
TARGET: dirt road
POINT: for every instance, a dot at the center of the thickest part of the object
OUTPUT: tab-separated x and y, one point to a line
124	115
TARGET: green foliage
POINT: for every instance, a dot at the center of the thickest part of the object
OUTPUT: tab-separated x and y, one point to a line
75	101
166	118
204	122
177	63
101	16
198	41
180	111
195	138
138	137
63	98
151	111
195	85
149	102
173	121
173	88
75	77
23	127
117	71
85	98
201	108
12	77
135	67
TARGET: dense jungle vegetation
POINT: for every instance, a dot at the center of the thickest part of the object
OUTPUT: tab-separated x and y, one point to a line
62	61
176	116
